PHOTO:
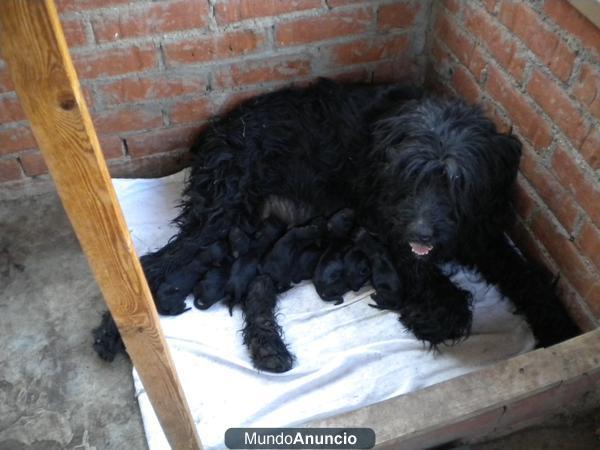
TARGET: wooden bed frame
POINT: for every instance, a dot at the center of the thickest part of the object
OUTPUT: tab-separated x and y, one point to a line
505	396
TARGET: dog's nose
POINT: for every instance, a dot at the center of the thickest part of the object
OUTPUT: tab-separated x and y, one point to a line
423	235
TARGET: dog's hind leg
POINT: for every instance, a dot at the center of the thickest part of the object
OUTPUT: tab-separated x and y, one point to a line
262	334
530	287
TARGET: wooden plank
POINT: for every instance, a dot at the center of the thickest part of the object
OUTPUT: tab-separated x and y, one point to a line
508	394
589	8
34	47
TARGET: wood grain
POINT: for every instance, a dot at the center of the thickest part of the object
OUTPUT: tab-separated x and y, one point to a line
34	47
499	399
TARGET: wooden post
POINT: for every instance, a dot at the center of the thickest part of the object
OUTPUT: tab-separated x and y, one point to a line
35	49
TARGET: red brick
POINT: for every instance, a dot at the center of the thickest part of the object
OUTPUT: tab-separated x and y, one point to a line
587	89
490	5
465	85
452	5
6	84
589	243
574	22
397	15
477	63
234	99
10	110
495	115
140	88
230	11
533	127
150	18
558	106
115	61
263	71
394	71
74	32
329	26
161	141
577	308
500	44
566	255
461	46
546	185
127	119
573	178
112	146
78	5
369	50
590	149
525	23
191	112
527	244
213	47
33	164
15	139
442	60
524	202
362	75
9	170
336	3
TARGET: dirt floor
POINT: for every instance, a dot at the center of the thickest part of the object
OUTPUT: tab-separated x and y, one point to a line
56	394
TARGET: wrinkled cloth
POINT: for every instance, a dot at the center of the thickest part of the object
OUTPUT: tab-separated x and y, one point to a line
347	356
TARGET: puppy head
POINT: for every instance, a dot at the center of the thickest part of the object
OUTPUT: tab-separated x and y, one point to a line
329	279
341	223
444	169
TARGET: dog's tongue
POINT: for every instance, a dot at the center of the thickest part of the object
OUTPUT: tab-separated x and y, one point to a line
420	249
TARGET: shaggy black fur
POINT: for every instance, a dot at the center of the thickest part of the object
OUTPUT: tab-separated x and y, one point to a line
107	340
432	178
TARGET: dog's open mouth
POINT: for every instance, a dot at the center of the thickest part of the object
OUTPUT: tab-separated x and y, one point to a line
420	249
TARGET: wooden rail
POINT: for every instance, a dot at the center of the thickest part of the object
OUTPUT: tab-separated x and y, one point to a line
33	45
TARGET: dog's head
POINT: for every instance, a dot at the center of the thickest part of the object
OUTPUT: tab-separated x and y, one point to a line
444	171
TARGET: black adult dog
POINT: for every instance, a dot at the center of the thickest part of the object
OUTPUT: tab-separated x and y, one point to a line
432	178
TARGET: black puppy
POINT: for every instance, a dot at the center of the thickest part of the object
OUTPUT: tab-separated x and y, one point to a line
384	278
304	267
245	268
171	294
357	269
280	261
329	277
211	288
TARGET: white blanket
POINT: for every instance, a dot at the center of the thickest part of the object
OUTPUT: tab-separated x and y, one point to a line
347	356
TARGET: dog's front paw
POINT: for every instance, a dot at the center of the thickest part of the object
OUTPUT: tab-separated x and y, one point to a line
442	316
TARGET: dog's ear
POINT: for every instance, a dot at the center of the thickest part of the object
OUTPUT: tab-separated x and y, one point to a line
507	154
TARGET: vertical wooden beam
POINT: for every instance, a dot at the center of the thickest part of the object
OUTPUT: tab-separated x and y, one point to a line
35	49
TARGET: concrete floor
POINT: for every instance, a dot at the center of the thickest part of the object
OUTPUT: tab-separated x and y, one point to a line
56	394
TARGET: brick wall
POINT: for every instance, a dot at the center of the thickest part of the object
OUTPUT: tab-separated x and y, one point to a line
153	72
535	66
